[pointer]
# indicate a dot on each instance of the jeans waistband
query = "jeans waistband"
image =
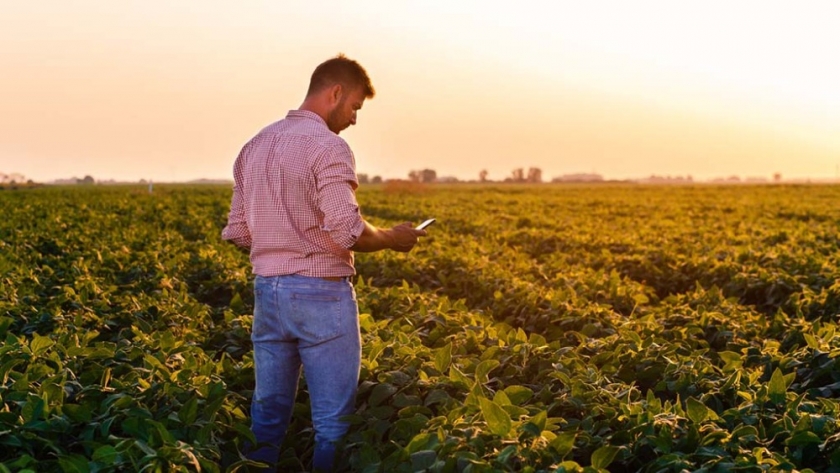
(296, 279)
(336, 278)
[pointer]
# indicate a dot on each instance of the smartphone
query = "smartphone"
(425, 224)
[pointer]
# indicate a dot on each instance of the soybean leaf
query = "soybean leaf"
(564, 442)
(423, 460)
(105, 454)
(380, 393)
(602, 457)
(443, 356)
(777, 387)
(518, 395)
(497, 419)
(696, 410)
(40, 344)
(483, 369)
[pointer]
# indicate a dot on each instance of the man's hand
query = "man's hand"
(405, 236)
(401, 238)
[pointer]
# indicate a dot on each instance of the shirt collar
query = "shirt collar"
(306, 115)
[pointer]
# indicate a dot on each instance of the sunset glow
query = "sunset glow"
(170, 91)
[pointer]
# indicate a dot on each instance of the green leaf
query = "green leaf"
(514, 412)
(380, 393)
(497, 419)
(376, 349)
(40, 344)
(476, 393)
(443, 356)
(73, 464)
(155, 363)
(506, 454)
(420, 442)
(366, 323)
(5, 323)
(602, 457)
(106, 454)
(482, 370)
(245, 432)
(436, 396)
(33, 409)
(777, 387)
(811, 341)
(745, 431)
(236, 303)
(568, 467)
(163, 433)
(189, 411)
(732, 361)
(423, 460)
(803, 438)
(501, 399)
(530, 429)
(22, 462)
(145, 448)
(77, 413)
(518, 395)
(539, 420)
(696, 410)
(564, 442)
(633, 336)
(6, 368)
(167, 341)
(456, 376)
(731, 381)
(537, 340)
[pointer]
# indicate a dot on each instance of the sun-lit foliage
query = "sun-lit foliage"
(542, 328)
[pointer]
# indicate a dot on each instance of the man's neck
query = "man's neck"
(314, 106)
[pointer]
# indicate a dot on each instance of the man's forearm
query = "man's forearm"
(373, 239)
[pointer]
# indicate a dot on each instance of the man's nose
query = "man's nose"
(353, 118)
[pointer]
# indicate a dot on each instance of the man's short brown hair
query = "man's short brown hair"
(340, 70)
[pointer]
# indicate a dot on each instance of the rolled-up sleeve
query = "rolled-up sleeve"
(336, 181)
(237, 230)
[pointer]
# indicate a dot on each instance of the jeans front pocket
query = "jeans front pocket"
(316, 315)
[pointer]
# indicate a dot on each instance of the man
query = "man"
(294, 207)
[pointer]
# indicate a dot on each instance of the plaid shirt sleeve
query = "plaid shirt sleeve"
(336, 182)
(237, 230)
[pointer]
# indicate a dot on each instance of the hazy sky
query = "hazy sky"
(172, 90)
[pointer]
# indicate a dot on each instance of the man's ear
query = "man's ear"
(335, 93)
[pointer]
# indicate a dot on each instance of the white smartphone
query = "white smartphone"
(425, 224)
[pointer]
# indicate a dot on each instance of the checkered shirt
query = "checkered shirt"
(294, 202)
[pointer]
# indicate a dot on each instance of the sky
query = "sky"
(171, 91)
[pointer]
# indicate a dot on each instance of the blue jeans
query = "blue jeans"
(313, 322)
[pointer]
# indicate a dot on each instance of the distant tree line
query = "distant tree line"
(532, 175)
(365, 179)
(14, 178)
(535, 175)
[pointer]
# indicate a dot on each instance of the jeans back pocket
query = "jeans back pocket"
(316, 315)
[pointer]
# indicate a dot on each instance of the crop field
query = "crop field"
(568, 328)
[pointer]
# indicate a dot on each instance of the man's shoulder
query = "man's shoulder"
(310, 131)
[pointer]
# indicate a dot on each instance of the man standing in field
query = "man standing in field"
(294, 207)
